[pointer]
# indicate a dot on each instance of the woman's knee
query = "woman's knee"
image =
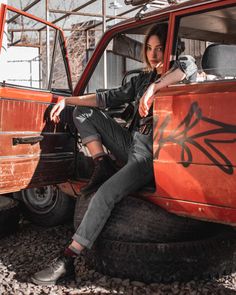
(82, 117)
(81, 111)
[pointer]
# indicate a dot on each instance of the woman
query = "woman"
(134, 147)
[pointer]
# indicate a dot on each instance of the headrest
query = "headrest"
(220, 60)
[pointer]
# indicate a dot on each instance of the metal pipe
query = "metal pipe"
(87, 40)
(110, 19)
(26, 45)
(4, 49)
(25, 9)
(86, 14)
(104, 27)
(38, 30)
(74, 10)
(40, 60)
(31, 74)
(47, 41)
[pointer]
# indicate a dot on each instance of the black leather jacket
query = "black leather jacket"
(131, 91)
(135, 88)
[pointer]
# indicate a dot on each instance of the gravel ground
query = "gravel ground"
(30, 249)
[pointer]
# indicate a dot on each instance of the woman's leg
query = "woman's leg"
(134, 175)
(95, 148)
(96, 128)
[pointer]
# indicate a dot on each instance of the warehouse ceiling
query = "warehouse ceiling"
(65, 14)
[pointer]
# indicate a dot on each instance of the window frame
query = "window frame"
(174, 24)
(58, 34)
(107, 37)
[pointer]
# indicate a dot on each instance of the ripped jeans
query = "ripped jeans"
(134, 149)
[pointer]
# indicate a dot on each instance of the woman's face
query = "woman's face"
(154, 51)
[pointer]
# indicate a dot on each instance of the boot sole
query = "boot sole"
(50, 283)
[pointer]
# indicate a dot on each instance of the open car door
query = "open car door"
(34, 71)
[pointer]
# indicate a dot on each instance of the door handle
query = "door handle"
(27, 140)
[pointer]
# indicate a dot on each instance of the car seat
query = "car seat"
(220, 60)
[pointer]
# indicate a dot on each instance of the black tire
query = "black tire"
(143, 242)
(46, 206)
(9, 215)
(136, 220)
(165, 262)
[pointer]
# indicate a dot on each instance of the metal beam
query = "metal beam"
(121, 15)
(38, 30)
(69, 13)
(25, 9)
(104, 27)
(47, 41)
(110, 19)
(85, 14)
(74, 10)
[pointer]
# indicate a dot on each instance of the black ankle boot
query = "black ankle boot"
(104, 168)
(60, 268)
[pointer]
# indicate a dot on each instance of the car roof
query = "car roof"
(209, 26)
(173, 8)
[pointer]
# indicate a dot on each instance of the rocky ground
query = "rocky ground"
(29, 250)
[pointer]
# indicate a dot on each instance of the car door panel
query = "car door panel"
(48, 156)
(194, 143)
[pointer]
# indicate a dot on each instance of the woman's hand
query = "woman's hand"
(159, 67)
(56, 110)
(146, 100)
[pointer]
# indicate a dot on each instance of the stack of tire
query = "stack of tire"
(143, 242)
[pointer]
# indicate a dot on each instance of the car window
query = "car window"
(28, 50)
(210, 38)
(123, 54)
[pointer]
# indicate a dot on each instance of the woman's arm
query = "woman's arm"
(147, 99)
(83, 100)
(102, 99)
(184, 68)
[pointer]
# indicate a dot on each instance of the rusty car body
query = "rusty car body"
(194, 123)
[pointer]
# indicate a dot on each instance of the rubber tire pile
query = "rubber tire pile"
(143, 242)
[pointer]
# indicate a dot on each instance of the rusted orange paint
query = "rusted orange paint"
(25, 114)
(194, 150)
(29, 95)
(200, 211)
(19, 173)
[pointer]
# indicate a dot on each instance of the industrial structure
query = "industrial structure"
(82, 24)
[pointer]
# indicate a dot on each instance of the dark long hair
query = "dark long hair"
(159, 30)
